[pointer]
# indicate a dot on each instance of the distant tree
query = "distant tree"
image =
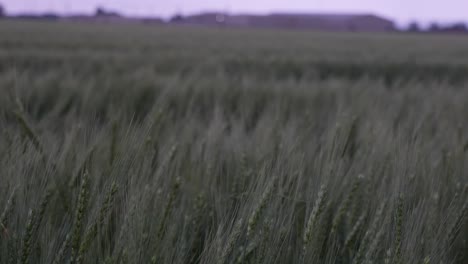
(458, 27)
(2, 11)
(49, 16)
(177, 18)
(414, 27)
(434, 27)
(101, 12)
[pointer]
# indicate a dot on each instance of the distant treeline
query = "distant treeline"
(100, 14)
(459, 27)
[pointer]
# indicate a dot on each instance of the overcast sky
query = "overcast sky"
(401, 10)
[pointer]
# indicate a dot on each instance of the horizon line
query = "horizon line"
(123, 14)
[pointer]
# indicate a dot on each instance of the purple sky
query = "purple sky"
(401, 10)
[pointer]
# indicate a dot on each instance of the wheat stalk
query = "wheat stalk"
(168, 208)
(113, 147)
(98, 224)
(229, 246)
(6, 212)
(253, 220)
(345, 204)
(351, 238)
(370, 233)
(42, 208)
(399, 229)
(453, 230)
(61, 252)
(27, 239)
(27, 129)
(79, 217)
(314, 215)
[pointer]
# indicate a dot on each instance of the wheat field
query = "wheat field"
(159, 144)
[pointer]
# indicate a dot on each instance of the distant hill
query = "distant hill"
(326, 22)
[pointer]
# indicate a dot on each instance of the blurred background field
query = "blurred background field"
(130, 143)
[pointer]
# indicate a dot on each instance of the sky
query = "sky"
(402, 11)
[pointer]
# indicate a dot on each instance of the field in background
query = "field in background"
(142, 144)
